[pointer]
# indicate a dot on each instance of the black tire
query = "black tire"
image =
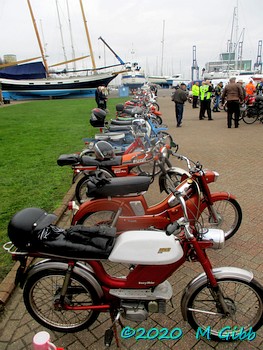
(98, 218)
(166, 137)
(147, 168)
(175, 177)
(230, 216)
(245, 302)
(159, 120)
(249, 118)
(40, 293)
(156, 106)
(81, 187)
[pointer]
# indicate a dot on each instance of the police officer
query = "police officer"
(205, 99)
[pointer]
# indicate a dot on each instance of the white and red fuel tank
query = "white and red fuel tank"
(146, 248)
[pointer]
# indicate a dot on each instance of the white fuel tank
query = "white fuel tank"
(146, 248)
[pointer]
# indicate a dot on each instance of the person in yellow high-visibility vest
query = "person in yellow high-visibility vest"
(205, 100)
(195, 92)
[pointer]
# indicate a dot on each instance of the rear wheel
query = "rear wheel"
(98, 218)
(244, 302)
(229, 215)
(42, 300)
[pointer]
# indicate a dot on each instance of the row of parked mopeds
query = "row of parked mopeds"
(68, 288)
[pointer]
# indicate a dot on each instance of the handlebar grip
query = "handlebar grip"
(173, 228)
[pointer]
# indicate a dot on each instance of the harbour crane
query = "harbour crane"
(258, 64)
(194, 67)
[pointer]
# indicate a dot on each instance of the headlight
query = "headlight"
(216, 236)
(164, 152)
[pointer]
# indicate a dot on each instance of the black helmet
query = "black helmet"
(97, 117)
(25, 222)
(103, 150)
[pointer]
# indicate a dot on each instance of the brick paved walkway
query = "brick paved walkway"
(237, 155)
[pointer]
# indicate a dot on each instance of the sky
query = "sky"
(157, 34)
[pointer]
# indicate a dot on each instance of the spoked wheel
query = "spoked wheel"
(156, 106)
(81, 187)
(98, 218)
(249, 118)
(148, 169)
(166, 138)
(159, 120)
(229, 215)
(244, 302)
(42, 300)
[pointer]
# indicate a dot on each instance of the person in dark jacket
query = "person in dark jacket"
(179, 97)
(233, 94)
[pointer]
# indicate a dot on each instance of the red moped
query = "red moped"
(115, 204)
(68, 290)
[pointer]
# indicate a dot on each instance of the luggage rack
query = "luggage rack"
(10, 248)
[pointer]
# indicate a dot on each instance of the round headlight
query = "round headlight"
(164, 152)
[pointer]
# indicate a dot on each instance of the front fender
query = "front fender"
(112, 204)
(219, 273)
(222, 196)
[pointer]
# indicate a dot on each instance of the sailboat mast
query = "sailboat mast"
(88, 37)
(38, 37)
(71, 37)
(61, 35)
(162, 48)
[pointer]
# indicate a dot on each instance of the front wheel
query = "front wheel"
(228, 216)
(249, 118)
(245, 304)
(42, 300)
(166, 138)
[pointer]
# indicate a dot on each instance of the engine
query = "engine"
(138, 311)
(138, 303)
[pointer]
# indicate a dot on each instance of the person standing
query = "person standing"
(233, 94)
(97, 93)
(259, 87)
(218, 92)
(195, 92)
(101, 97)
(250, 88)
(205, 99)
(240, 82)
(179, 97)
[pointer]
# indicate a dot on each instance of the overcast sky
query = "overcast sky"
(134, 29)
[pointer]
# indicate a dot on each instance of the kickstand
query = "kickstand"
(112, 331)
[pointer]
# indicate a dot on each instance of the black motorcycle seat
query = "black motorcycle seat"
(68, 159)
(122, 128)
(119, 186)
(86, 160)
(78, 242)
(76, 159)
(121, 122)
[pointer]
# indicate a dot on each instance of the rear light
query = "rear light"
(72, 205)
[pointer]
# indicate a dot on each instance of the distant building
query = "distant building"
(227, 62)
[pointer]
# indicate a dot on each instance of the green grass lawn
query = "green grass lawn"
(32, 136)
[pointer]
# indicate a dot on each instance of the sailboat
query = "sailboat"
(31, 80)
